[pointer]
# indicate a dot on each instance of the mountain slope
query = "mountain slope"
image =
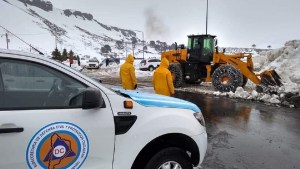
(39, 23)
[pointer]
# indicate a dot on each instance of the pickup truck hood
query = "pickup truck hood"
(155, 100)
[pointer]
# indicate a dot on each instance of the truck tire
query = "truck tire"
(176, 71)
(227, 78)
(193, 82)
(171, 158)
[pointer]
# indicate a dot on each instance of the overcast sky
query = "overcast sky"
(237, 23)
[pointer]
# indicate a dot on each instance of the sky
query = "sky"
(237, 23)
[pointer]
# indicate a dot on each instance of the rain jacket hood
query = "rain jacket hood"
(164, 63)
(129, 59)
(162, 79)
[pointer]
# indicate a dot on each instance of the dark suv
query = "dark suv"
(109, 61)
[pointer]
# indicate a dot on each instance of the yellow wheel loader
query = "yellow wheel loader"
(201, 61)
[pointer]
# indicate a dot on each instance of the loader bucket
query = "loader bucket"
(270, 78)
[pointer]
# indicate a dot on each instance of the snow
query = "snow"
(285, 61)
(240, 93)
(82, 36)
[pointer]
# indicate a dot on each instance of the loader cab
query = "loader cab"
(200, 48)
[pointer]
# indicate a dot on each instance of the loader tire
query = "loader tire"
(227, 78)
(245, 80)
(176, 71)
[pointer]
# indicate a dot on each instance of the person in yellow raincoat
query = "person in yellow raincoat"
(127, 74)
(162, 79)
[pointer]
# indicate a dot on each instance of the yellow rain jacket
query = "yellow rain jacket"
(162, 79)
(127, 74)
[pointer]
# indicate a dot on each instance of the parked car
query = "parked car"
(93, 64)
(83, 61)
(52, 116)
(149, 64)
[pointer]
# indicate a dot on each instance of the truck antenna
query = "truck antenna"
(206, 14)
(41, 53)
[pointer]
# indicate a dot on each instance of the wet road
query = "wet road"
(245, 134)
(248, 135)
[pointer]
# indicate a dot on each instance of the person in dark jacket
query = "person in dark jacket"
(107, 62)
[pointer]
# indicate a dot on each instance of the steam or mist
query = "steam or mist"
(155, 27)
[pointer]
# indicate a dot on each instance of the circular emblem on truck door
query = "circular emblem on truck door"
(56, 146)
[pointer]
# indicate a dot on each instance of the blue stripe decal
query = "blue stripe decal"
(155, 100)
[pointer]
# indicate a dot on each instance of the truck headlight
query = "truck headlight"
(200, 118)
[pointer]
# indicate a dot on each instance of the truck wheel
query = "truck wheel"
(151, 68)
(194, 82)
(176, 71)
(170, 158)
(227, 78)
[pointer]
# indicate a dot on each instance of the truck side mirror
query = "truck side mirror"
(92, 98)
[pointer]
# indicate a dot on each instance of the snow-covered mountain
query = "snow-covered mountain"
(44, 26)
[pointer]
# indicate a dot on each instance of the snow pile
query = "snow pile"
(286, 62)
(253, 95)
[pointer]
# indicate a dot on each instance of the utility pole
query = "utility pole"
(55, 42)
(143, 42)
(133, 49)
(125, 48)
(7, 40)
(125, 45)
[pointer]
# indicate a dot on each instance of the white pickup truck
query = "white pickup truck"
(52, 116)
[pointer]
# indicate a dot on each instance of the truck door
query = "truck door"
(38, 127)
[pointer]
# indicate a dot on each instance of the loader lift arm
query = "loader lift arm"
(266, 78)
(235, 60)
